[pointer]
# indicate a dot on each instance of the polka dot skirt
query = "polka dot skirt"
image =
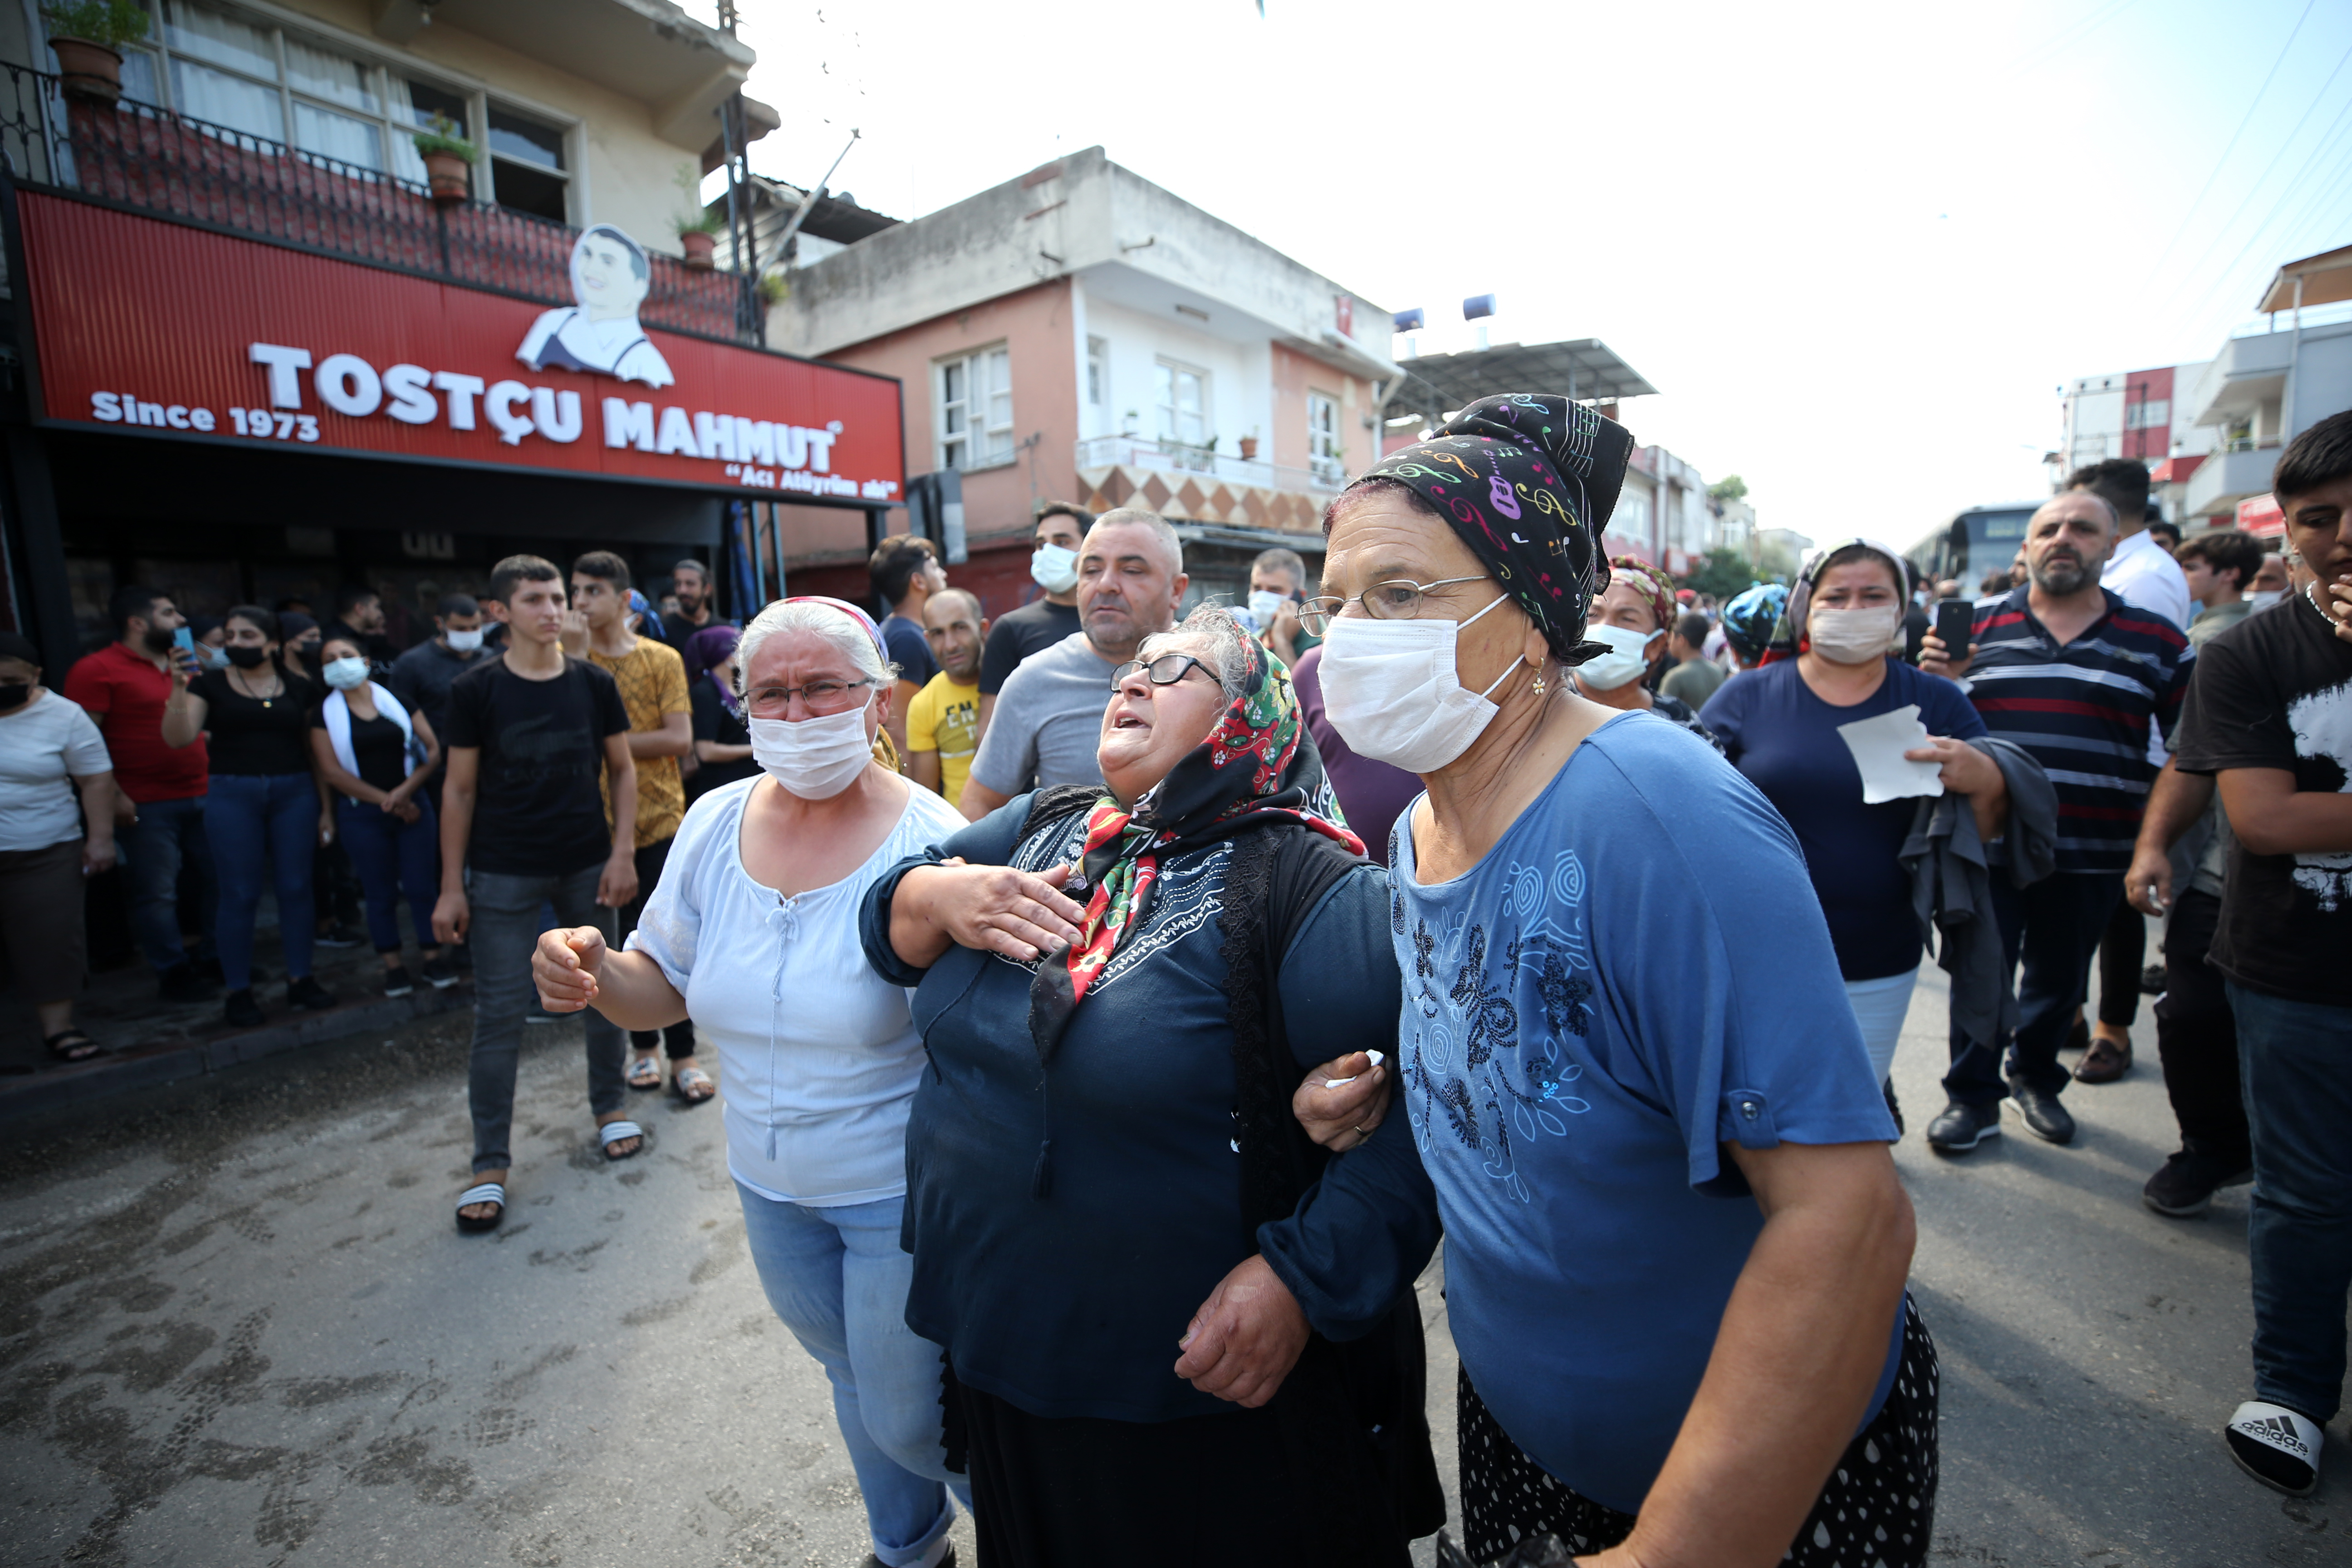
(1878, 1509)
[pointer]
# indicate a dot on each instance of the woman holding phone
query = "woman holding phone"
(262, 801)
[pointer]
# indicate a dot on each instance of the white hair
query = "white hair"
(1214, 624)
(839, 629)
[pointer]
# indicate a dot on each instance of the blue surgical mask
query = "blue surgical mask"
(212, 658)
(344, 674)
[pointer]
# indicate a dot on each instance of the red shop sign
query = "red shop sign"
(170, 331)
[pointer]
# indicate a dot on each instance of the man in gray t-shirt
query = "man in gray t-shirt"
(1046, 723)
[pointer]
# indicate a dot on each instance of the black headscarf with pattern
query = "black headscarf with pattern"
(1528, 481)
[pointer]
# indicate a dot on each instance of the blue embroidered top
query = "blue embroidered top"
(1635, 974)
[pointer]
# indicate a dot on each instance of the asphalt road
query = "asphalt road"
(236, 1327)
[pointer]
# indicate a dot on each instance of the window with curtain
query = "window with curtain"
(1326, 454)
(975, 403)
(1183, 402)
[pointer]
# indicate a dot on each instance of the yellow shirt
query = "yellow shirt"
(652, 679)
(944, 717)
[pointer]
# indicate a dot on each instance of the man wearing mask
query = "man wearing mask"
(1277, 587)
(2079, 679)
(2271, 583)
(124, 688)
(1060, 528)
(1049, 716)
(422, 676)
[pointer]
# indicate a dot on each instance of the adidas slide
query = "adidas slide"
(487, 1192)
(2277, 1446)
(613, 1132)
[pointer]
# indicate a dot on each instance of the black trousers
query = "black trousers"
(679, 1037)
(2123, 951)
(2054, 929)
(2197, 1036)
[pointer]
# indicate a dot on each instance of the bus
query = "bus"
(1980, 540)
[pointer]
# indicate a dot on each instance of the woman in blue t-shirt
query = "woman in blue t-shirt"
(1780, 726)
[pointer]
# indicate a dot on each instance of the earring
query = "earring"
(1539, 688)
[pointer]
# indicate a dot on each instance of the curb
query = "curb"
(163, 1062)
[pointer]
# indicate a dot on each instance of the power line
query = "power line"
(2218, 164)
(2229, 274)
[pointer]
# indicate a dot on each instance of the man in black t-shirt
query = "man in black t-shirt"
(1060, 530)
(532, 733)
(2270, 716)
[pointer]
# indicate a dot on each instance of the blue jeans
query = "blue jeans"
(250, 817)
(507, 920)
(2295, 1060)
(838, 1279)
(2054, 927)
(168, 840)
(393, 857)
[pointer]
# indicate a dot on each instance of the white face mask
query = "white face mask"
(463, 642)
(1053, 569)
(814, 759)
(344, 674)
(1628, 657)
(1391, 691)
(1854, 637)
(1264, 604)
(212, 658)
(2264, 598)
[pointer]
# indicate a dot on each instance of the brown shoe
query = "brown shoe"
(2105, 1062)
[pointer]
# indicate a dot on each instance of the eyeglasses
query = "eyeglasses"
(821, 696)
(1165, 670)
(1396, 600)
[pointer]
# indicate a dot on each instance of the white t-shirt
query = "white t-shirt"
(2146, 576)
(818, 1054)
(44, 746)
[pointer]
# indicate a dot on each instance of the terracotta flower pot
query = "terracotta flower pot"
(700, 246)
(87, 69)
(447, 175)
(1249, 448)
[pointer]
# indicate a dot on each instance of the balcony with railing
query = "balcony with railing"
(149, 160)
(1199, 484)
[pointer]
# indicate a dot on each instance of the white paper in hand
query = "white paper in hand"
(1878, 745)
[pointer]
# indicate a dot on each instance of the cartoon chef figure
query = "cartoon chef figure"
(610, 277)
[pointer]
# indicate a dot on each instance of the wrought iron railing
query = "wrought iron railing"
(1179, 457)
(152, 160)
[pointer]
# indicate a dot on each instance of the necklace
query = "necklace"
(245, 684)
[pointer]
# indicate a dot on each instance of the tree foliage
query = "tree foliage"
(1731, 487)
(1722, 574)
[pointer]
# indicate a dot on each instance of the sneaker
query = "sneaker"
(243, 1010)
(309, 994)
(2276, 1446)
(2042, 1115)
(2184, 1188)
(440, 973)
(338, 935)
(1961, 1128)
(396, 981)
(181, 983)
(2152, 981)
(1894, 1107)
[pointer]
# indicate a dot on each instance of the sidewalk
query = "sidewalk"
(146, 1041)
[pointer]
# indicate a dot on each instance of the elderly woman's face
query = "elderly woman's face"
(1626, 606)
(1382, 538)
(787, 664)
(1148, 729)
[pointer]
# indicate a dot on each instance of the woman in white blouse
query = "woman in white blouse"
(753, 931)
(48, 842)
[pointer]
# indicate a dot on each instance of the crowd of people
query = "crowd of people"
(1064, 972)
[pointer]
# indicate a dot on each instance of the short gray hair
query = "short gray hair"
(1228, 657)
(1280, 560)
(836, 627)
(1135, 516)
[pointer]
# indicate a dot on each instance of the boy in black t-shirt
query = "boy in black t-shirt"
(529, 730)
(2269, 714)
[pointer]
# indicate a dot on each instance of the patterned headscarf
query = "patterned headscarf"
(1748, 619)
(1528, 481)
(707, 650)
(1650, 583)
(1251, 772)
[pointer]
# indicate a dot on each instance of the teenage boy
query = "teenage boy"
(1059, 530)
(904, 572)
(943, 721)
(652, 679)
(123, 686)
(2218, 566)
(2270, 717)
(531, 733)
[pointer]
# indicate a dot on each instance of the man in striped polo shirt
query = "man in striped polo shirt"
(2067, 670)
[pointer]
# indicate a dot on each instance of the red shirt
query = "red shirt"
(124, 694)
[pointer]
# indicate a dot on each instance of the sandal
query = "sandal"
(645, 1072)
(2105, 1061)
(692, 1086)
(71, 1046)
(612, 1132)
(487, 1193)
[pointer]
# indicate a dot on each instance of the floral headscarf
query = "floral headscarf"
(1252, 771)
(1650, 583)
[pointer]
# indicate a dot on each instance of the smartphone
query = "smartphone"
(1955, 622)
(185, 640)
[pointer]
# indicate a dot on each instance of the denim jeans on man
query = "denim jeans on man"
(838, 1279)
(506, 926)
(167, 842)
(393, 857)
(2295, 1060)
(2054, 926)
(253, 820)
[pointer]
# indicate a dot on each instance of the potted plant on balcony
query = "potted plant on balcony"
(88, 37)
(1249, 446)
(697, 235)
(449, 158)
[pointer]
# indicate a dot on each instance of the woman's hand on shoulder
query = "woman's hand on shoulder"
(995, 909)
(1342, 1102)
(564, 967)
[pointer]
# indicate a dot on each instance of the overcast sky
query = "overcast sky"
(1856, 247)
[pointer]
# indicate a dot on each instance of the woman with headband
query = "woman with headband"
(1675, 1245)
(753, 930)
(1631, 617)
